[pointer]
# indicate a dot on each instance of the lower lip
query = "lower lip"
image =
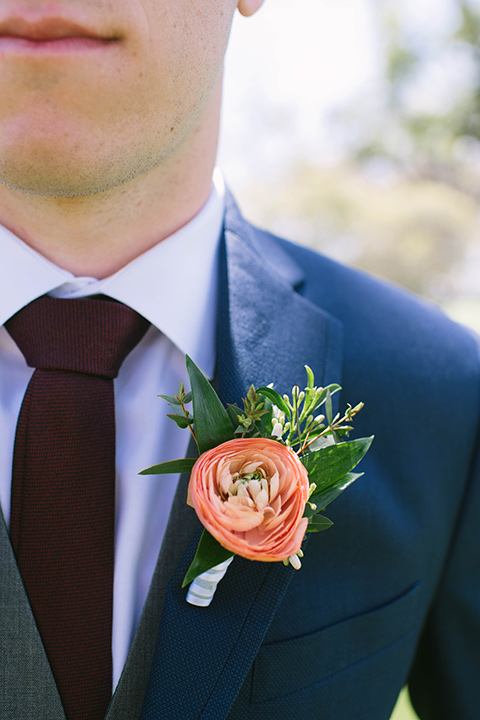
(56, 46)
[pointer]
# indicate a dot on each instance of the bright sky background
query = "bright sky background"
(296, 61)
(286, 68)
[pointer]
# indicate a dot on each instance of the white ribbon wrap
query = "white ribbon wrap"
(202, 589)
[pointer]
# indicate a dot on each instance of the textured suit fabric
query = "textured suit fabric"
(391, 592)
(27, 686)
(26, 679)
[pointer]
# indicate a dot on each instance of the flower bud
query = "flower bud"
(294, 561)
(277, 430)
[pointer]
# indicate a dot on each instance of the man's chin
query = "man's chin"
(49, 190)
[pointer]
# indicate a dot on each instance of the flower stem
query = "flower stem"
(186, 413)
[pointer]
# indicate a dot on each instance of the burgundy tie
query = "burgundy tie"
(63, 486)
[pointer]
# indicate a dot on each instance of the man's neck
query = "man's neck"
(99, 234)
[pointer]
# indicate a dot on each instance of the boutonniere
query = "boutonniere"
(265, 472)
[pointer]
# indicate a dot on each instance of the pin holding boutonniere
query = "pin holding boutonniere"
(264, 473)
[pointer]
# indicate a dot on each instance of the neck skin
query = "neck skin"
(97, 235)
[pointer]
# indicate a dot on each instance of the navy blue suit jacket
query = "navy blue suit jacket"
(389, 594)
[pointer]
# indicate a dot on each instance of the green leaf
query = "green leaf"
(182, 421)
(212, 424)
(209, 553)
(310, 377)
(337, 438)
(329, 390)
(329, 464)
(233, 412)
(178, 410)
(324, 497)
(183, 465)
(170, 399)
(174, 401)
(320, 442)
(317, 523)
(328, 407)
(276, 399)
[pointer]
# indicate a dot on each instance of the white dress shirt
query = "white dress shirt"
(182, 312)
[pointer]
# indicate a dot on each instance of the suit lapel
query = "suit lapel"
(266, 333)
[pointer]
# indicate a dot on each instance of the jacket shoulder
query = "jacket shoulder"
(380, 315)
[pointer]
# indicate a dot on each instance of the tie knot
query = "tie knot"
(86, 335)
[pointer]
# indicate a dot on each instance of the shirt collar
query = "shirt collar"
(173, 285)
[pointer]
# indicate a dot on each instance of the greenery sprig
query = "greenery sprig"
(303, 421)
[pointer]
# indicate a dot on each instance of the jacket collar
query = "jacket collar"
(266, 332)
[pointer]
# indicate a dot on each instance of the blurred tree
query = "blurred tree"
(403, 202)
(428, 136)
(468, 34)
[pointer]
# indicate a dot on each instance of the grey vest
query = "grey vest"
(27, 686)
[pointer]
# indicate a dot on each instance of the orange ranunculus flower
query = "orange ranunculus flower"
(250, 494)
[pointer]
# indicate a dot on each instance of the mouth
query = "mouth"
(50, 35)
